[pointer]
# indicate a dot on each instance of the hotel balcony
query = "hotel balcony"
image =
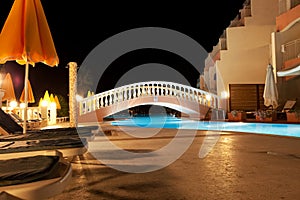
(215, 53)
(289, 11)
(286, 5)
(286, 22)
(239, 20)
(245, 12)
(290, 57)
(291, 53)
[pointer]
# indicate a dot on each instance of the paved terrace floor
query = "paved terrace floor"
(240, 166)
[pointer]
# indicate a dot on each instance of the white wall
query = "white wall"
(248, 47)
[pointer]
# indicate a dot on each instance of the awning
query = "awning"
(289, 72)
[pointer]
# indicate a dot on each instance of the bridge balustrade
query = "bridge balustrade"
(145, 89)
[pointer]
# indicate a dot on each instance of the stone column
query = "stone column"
(1, 95)
(72, 93)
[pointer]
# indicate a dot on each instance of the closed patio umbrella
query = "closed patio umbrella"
(270, 91)
(8, 87)
(47, 96)
(30, 98)
(58, 106)
(26, 39)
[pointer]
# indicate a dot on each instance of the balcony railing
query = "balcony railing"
(239, 20)
(245, 12)
(291, 50)
(285, 5)
(222, 45)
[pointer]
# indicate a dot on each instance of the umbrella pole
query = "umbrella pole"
(25, 98)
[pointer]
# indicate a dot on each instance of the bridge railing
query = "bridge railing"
(143, 89)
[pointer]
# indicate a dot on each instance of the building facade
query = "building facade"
(286, 50)
(263, 32)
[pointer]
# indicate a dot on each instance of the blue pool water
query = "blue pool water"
(173, 122)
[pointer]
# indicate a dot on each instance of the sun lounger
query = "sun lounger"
(8, 125)
(70, 141)
(18, 148)
(289, 104)
(70, 132)
(31, 124)
(34, 177)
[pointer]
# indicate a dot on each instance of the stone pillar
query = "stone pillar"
(72, 93)
(1, 96)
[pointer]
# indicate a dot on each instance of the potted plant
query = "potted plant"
(236, 116)
(265, 115)
(293, 116)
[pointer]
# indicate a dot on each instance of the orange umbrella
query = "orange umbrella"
(26, 38)
(30, 98)
(52, 100)
(40, 102)
(58, 106)
(47, 96)
(9, 91)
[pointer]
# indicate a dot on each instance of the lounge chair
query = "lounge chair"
(34, 177)
(31, 124)
(289, 104)
(18, 146)
(8, 125)
(14, 144)
(70, 141)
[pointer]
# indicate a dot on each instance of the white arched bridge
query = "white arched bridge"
(188, 100)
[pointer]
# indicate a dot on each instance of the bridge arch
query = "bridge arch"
(191, 101)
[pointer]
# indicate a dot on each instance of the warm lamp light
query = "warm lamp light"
(44, 103)
(53, 105)
(224, 95)
(13, 104)
(208, 97)
(22, 105)
(79, 98)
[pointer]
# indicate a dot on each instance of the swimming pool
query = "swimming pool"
(177, 123)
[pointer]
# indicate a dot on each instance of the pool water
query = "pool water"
(177, 123)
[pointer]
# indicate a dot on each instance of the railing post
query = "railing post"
(110, 98)
(162, 90)
(148, 90)
(143, 90)
(101, 102)
(129, 93)
(153, 89)
(97, 102)
(173, 91)
(125, 93)
(84, 107)
(106, 101)
(134, 92)
(119, 96)
(167, 90)
(139, 91)
(181, 95)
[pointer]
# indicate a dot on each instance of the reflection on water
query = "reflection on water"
(177, 123)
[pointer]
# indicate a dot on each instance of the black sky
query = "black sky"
(79, 26)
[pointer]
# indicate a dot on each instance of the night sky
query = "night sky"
(79, 26)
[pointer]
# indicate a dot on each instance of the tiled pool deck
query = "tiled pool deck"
(239, 166)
